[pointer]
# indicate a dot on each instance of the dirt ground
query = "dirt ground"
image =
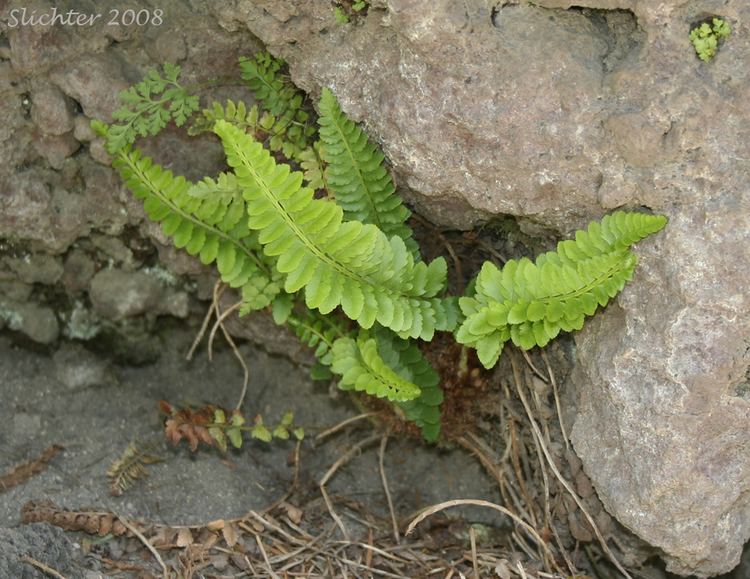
(94, 408)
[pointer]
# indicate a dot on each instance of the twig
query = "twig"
(384, 479)
(142, 539)
(331, 471)
(340, 425)
(557, 399)
(206, 319)
(480, 503)
(39, 565)
(563, 482)
(533, 367)
(219, 323)
(473, 540)
(265, 555)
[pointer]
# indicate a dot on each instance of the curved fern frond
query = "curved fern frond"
(316, 331)
(531, 303)
(406, 359)
(292, 131)
(356, 175)
(361, 368)
(211, 226)
(351, 264)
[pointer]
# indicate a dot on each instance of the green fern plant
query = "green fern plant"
(292, 130)
(530, 303)
(356, 176)
(149, 106)
(347, 263)
(342, 270)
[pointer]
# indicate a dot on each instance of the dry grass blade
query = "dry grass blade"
(343, 424)
(473, 540)
(384, 480)
(331, 471)
(42, 567)
(563, 482)
(28, 469)
(552, 380)
(218, 290)
(132, 528)
(479, 503)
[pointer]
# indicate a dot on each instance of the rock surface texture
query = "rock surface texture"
(477, 116)
(553, 113)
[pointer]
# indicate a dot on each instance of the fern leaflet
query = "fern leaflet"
(293, 130)
(531, 303)
(149, 106)
(338, 263)
(406, 359)
(361, 368)
(211, 226)
(356, 175)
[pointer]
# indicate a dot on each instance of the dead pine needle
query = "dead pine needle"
(384, 479)
(563, 482)
(133, 529)
(480, 503)
(42, 567)
(351, 453)
(473, 540)
(343, 424)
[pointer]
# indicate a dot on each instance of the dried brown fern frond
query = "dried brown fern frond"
(126, 470)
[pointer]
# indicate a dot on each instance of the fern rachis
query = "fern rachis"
(530, 303)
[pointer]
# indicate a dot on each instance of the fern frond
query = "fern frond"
(531, 303)
(149, 106)
(406, 359)
(316, 331)
(126, 470)
(236, 113)
(207, 220)
(313, 168)
(361, 368)
(338, 263)
(292, 132)
(356, 174)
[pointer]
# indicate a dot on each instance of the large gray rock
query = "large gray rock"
(555, 113)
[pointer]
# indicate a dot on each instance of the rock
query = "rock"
(78, 271)
(15, 290)
(114, 249)
(117, 294)
(76, 367)
(56, 148)
(51, 110)
(82, 130)
(44, 543)
(37, 268)
(37, 322)
(94, 81)
(478, 120)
